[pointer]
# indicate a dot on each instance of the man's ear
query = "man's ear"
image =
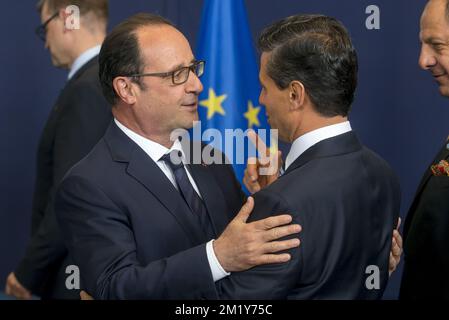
(297, 94)
(124, 88)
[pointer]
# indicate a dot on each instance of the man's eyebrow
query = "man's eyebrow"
(433, 39)
(181, 65)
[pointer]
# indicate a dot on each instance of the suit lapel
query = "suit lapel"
(212, 195)
(146, 172)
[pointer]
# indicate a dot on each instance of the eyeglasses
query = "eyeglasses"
(41, 31)
(180, 75)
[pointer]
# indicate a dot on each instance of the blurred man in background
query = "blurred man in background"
(75, 124)
(426, 229)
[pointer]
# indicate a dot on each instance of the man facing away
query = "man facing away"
(345, 196)
(76, 123)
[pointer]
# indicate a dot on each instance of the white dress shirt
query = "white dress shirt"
(155, 151)
(83, 59)
(304, 142)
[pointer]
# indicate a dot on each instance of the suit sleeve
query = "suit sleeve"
(101, 241)
(271, 281)
(84, 117)
(436, 211)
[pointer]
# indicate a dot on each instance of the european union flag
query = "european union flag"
(231, 84)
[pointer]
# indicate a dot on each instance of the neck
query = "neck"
(314, 123)
(84, 43)
(137, 127)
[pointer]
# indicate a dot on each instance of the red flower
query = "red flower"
(440, 169)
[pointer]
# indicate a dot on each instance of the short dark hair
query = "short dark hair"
(120, 52)
(100, 8)
(317, 51)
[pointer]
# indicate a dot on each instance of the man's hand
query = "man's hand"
(85, 296)
(260, 173)
(14, 288)
(396, 249)
(243, 245)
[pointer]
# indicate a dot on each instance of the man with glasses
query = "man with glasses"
(138, 215)
(76, 123)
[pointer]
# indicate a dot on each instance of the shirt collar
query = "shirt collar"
(154, 150)
(304, 142)
(83, 59)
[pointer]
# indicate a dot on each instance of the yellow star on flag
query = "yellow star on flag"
(251, 115)
(213, 104)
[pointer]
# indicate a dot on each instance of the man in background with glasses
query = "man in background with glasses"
(138, 215)
(75, 124)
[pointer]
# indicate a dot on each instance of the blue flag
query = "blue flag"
(231, 85)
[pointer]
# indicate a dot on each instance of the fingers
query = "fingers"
(14, 288)
(272, 222)
(8, 289)
(280, 161)
(391, 264)
(398, 239)
(246, 210)
(23, 295)
(280, 232)
(18, 292)
(252, 169)
(272, 258)
(261, 147)
(399, 223)
(276, 246)
(267, 165)
(85, 296)
(250, 178)
(395, 249)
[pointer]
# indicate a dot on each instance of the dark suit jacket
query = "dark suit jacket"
(347, 200)
(130, 231)
(76, 123)
(426, 239)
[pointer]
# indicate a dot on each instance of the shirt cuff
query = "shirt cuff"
(218, 272)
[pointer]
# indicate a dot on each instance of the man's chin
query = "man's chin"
(57, 64)
(191, 122)
(444, 90)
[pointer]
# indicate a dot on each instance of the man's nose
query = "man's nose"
(427, 58)
(194, 83)
(261, 98)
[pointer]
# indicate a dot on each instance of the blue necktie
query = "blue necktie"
(193, 200)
